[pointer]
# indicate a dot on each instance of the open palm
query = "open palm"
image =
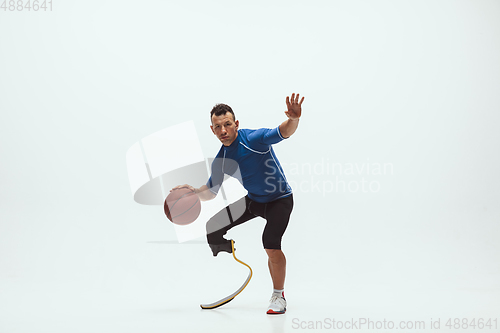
(294, 107)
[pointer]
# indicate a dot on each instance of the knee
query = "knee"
(275, 255)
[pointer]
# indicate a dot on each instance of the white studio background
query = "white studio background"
(411, 87)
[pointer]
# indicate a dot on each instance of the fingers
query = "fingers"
(182, 186)
(294, 99)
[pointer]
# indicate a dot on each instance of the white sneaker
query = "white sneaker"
(278, 305)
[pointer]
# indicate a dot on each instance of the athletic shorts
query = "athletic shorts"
(276, 213)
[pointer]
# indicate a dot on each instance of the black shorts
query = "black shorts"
(276, 213)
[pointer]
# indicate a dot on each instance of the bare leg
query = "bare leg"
(277, 267)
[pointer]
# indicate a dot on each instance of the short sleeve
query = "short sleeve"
(266, 136)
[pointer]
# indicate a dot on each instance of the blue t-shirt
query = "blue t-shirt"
(251, 160)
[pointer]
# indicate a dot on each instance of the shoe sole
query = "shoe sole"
(275, 312)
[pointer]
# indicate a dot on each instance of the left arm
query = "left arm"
(289, 126)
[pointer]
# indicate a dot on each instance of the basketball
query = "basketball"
(182, 206)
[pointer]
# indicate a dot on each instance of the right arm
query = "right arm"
(215, 181)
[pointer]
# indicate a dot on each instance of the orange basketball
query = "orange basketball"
(182, 206)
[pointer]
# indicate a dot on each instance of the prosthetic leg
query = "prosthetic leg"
(229, 298)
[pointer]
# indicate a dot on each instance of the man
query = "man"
(248, 155)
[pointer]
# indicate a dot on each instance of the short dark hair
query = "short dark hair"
(221, 109)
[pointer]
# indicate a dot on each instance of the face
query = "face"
(225, 128)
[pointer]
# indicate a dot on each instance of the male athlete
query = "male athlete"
(249, 154)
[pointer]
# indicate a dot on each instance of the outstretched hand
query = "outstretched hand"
(294, 107)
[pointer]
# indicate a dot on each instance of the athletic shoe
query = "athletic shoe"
(278, 305)
(225, 247)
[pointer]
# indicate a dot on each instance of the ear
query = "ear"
(212, 128)
(237, 122)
